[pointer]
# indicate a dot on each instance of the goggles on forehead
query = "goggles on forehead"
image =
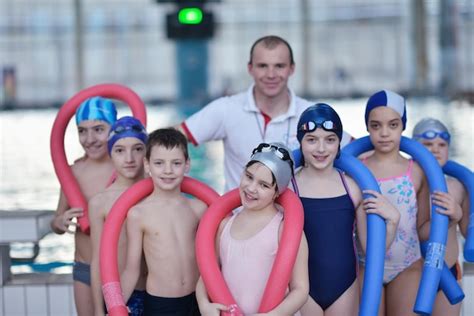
(280, 152)
(311, 126)
(432, 134)
(122, 129)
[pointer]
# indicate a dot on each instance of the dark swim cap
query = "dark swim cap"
(320, 115)
(126, 126)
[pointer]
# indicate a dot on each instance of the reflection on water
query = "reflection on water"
(27, 179)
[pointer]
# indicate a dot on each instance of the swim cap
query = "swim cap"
(126, 126)
(96, 108)
(390, 99)
(430, 128)
(277, 157)
(319, 115)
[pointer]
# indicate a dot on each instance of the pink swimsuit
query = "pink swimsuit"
(405, 249)
(246, 264)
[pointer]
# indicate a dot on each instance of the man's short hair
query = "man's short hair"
(272, 41)
(168, 138)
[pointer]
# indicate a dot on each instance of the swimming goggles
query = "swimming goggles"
(122, 129)
(431, 134)
(311, 126)
(280, 152)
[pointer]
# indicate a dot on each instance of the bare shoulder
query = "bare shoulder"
(354, 190)
(198, 207)
(418, 175)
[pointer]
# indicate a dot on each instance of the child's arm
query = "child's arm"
(299, 284)
(64, 216)
(96, 225)
(377, 204)
(464, 222)
(448, 206)
(131, 272)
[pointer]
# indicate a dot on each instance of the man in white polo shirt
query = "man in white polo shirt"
(267, 112)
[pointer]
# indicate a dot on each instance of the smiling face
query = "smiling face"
(257, 187)
(93, 137)
(167, 167)
(320, 148)
(270, 69)
(385, 128)
(127, 156)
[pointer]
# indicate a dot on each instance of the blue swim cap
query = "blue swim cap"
(319, 115)
(390, 99)
(96, 108)
(126, 126)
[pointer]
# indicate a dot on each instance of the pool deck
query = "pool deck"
(49, 294)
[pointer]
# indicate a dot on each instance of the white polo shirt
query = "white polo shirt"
(239, 123)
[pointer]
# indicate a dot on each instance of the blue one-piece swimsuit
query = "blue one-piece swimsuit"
(329, 227)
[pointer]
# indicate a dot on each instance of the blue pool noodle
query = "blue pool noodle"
(447, 283)
(439, 223)
(376, 233)
(466, 177)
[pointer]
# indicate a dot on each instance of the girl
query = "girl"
(402, 181)
(436, 138)
(248, 240)
(330, 200)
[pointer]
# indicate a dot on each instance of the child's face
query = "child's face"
(320, 148)
(127, 155)
(257, 189)
(93, 137)
(439, 148)
(385, 128)
(167, 167)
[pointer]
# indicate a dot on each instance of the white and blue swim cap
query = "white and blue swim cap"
(430, 128)
(278, 158)
(389, 99)
(126, 126)
(96, 109)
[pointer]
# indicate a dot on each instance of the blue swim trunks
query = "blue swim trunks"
(81, 272)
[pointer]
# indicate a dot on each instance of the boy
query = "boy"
(126, 146)
(436, 138)
(164, 226)
(93, 171)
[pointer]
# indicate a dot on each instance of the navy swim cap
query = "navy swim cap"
(390, 99)
(319, 115)
(96, 108)
(126, 126)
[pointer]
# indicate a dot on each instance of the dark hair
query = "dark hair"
(252, 162)
(168, 138)
(272, 41)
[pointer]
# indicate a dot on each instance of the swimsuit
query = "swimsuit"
(246, 263)
(329, 225)
(405, 248)
(170, 306)
(81, 272)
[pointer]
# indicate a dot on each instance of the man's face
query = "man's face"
(270, 69)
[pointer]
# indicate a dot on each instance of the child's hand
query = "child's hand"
(213, 309)
(63, 221)
(378, 204)
(447, 206)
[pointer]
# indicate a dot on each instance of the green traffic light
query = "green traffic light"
(190, 16)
